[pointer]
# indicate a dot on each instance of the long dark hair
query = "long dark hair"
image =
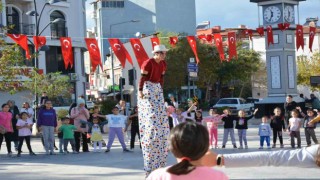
(191, 141)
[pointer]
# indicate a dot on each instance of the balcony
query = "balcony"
(22, 28)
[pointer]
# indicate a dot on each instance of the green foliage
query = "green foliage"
(54, 84)
(306, 68)
(62, 113)
(106, 106)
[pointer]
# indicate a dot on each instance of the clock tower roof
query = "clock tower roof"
(259, 1)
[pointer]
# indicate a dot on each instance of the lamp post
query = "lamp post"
(112, 64)
(45, 47)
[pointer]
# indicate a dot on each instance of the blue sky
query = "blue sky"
(231, 13)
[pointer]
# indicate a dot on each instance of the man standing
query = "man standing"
(289, 105)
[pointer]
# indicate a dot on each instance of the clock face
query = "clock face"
(288, 13)
(272, 14)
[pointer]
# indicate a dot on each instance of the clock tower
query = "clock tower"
(280, 56)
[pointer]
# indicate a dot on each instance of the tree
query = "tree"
(307, 67)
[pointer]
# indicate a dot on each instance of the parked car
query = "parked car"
(90, 104)
(235, 104)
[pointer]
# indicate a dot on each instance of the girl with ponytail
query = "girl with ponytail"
(189, 143)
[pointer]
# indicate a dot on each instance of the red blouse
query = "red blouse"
(155, 72)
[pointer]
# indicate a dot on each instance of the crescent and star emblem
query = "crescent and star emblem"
(232, 39)
(93, 46)
(155, 43)
(66, 43)
(311, 33)
(16, 36)
(137, 47)
(174, 40)
(117, 45)
(299, 32)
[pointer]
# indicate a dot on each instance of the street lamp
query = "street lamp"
(112, 65)
(37, 20)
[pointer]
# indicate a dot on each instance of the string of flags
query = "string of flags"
(122, 54)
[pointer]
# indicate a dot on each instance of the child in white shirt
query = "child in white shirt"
(24, 125)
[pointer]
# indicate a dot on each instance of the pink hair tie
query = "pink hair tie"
(185, 158)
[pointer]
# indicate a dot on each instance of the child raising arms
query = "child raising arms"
(212, 122)
(191, 164)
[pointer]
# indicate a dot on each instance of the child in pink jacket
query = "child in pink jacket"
(212, 122)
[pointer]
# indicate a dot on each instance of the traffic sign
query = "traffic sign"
(192, 67)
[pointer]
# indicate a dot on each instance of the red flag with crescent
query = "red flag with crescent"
(312, 32)
(67, 53)
(39, 41)
(22, 41)
(139, 51)
(209, 38)
(173, 41)
(120, 51)
(299, 37)
(232, 43)
(94, 52)
(193, 44)
(219, 45)
(155, 41)
(249, 33)
(260, 31)
(283, 26)
(270, 35)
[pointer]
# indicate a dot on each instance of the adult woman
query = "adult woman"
(6, 123)
(153, 121)
(80, 113)
(47, 122)
(15, 116)
(26, 108)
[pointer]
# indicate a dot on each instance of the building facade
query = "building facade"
(73, 24)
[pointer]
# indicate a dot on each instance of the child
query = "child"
(95, 131)
(170, 110)
(190, 160)
(277, 125)
(117, 125)
(264, 132)
(242, 126)
(24, 125)
(68, 135)
(228, 128)
(294, 128)
(198, 118)
(309, 128)
(178, 117)
(212, 122)
(134, 122)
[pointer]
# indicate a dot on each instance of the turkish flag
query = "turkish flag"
(67, 53)
(120, 51)
(209, 38)
(299, 37)
(139, 51)
(260, 31)
(219, 45)
(173, 41)
(311, 37)
(94, 52)
(22, 40)
(249, 33)
(39, 41)
(40, 71)
(232, 43)
(193, 45)
(202, 37)
(283, 26)
(155, 41)
(270, 35)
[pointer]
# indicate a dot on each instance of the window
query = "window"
(54, 61)
(113, 4)
(58, 29)
(13, 20)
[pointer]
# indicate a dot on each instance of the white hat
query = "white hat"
(80, 101)
(159, 48)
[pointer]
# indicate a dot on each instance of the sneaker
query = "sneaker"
(32, 154)
(246, 147)
(234, 146)
(126, 150)
(281, 146)
(299, 146)
(240, 147)
(269, 147)
(223, 146)
(274, 146)
(108, 150)
(260, 147)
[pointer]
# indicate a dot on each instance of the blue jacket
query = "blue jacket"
(264, 129)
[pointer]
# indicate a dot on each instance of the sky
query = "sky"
(232, 13)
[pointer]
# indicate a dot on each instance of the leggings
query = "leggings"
(279, 134)
(7, 137)
(21, 139)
